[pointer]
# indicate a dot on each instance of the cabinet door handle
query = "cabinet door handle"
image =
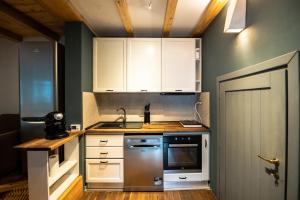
(182, 178)
(109, 90)
(103, 162)
(205, 143)
(178, 90)
(103, 153)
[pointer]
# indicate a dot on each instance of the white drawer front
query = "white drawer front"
(105, 140)
(104, 152)
(181, 177)
(104, 170)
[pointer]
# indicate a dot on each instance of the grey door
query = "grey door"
(252, 123)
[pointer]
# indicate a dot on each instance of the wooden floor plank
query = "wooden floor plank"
(168, 195)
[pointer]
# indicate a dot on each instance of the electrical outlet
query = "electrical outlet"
(75, 127)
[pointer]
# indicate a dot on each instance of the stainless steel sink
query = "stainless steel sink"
(112, 125)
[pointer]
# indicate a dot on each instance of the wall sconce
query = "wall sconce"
(236, 16)
(149, 4)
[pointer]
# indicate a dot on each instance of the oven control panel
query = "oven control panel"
(183, 139)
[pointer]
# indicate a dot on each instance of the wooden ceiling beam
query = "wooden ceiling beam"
(10, 35)
(169, 17)
(211, 11)
(25, 19)
(125, 17)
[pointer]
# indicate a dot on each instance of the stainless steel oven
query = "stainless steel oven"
(183, 152)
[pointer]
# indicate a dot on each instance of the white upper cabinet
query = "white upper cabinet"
(109, 67)
(178, 65)
(144, 64)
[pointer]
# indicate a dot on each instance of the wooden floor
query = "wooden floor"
(168, 195)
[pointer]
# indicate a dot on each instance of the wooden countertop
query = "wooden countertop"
(156, 127)
(42, 144)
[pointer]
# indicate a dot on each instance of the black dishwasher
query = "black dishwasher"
(143, 162)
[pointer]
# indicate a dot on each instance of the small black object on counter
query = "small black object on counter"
(147, 114)
(55, 124)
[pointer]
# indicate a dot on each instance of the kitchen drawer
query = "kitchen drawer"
(104, 152)
(104, 170)
(181, 177)
(104, 140)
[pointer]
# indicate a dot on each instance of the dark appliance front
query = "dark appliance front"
(183, 152)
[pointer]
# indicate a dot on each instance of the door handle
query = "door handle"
(273, 172)
(274, 161)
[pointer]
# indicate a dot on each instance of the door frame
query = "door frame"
(290, 62)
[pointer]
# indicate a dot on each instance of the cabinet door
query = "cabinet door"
(104, 152)
(205, 157)
(109, 65)
(178, 65)
(144, 65)
(104, 140)
(104, 170)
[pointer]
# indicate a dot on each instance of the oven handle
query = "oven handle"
(144, 146)
(183, 145)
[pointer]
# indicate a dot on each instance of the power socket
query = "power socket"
(75, 127)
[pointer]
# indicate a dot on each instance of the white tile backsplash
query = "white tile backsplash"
(163, 107)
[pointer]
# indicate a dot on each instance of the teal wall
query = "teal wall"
(273, 29)
(78, 73)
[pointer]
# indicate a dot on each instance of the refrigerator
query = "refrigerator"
(41, 83)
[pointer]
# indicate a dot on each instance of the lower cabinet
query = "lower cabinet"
(104, 152)
(184, 181)
(104, 170)
(104, 163)
(181, 177)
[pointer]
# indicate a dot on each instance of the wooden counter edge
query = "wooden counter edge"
(144, 130)
(42, 144)
(155, 127)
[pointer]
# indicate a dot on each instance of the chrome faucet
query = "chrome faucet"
(124, 114)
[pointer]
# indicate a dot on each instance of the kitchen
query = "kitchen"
(112, 76)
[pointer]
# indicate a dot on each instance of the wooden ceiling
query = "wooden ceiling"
(30, 18)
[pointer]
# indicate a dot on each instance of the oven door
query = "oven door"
(182, 156)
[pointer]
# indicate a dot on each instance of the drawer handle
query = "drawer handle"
(109, 90)
(182, 178)
(103, 141)
(144, 90)
(178, 90)
(103, 162)
(103, 153)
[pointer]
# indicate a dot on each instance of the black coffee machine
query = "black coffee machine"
(55, 124)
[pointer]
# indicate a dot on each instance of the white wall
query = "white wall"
(9, 76)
